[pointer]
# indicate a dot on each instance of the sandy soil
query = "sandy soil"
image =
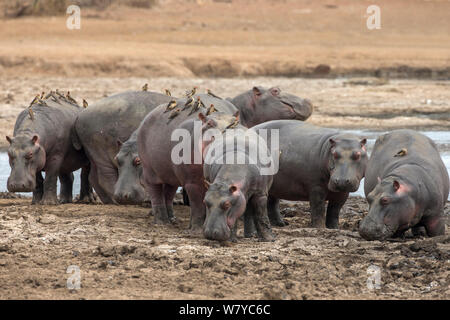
(362, 103)
(121, 254)
(235, 38)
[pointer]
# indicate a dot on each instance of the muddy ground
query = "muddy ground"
(122, 254)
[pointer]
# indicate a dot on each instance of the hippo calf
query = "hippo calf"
(315, 164)
(406, 186)
(236, 187)
(42, 142)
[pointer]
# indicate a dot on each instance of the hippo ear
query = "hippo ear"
(202, 117)
(275, 91)
(256, 91)
(206, 184)
(396, 185)
(119, 143)
(363, 142)
(236, 115)
(232, 189)
(332, 142)
(35, 139)
(9, 139)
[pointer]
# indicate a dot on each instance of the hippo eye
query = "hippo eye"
(225, 205)
(384, 201)
(336, 155)
(29, 155)
(356, 156)
(137, 161)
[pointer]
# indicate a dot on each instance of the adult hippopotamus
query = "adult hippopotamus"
(161, 174)
(315, 164)
(100, 130)
(261, 105)
(237, 183)
(42, 142)
(406, 186)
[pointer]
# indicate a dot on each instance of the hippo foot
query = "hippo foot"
(63, 200)
(49, 201)
(267, 237)
(319, 224)
(160, 215)
(279, 222)
(147, 204)
(250, 234)
(195, 230)
(87, 199)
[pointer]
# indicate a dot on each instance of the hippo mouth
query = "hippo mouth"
(380, 233)
(295, 113)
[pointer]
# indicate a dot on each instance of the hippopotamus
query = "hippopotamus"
(315, 164)
(100, 131)
(236, 188)
(161, 175)
(42, 142)
(406, 186)
(261, 105)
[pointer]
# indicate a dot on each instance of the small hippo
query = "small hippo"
(100, 130)
(261, 105)
(236, 187)
(315, 164)
(406, 186)
(42, 142)
(161, 175)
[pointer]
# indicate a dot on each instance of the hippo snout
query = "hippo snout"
(21, 186)
(344, 185)
(370, 230)
(218, 234)
(128, 197)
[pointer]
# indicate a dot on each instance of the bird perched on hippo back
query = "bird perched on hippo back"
(261, 105)
(162, 175)
(100, 127)
(406, 185)
(42, 142)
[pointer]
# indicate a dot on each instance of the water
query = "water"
(441, 138)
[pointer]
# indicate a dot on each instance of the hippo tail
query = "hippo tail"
(75, 139)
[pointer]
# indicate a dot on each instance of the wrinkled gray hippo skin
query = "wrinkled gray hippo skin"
(261, 105)
(102, 127)
(44, 144)
(161, 176)
(235, 189)
(406, 186)
(315, 164)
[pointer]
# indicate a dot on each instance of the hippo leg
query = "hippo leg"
(419, 231)
(249, 223)
(233, 236)
(158, 200)
(39, 190)
(317, 202)
(86, 192)
(169, 195)
(273, 208)
(107, 179)
(66, 180)
(261, 219)
(196, 195)
(93, 180)
(435, 226)
(333, 209)
(50, 181)
(185, 198)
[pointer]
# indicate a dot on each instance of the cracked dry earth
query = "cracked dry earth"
(121, 254)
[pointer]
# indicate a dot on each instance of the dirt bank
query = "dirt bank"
(121, 254)
(208, 38)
